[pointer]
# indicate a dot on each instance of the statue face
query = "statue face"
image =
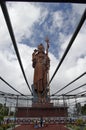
(40, 48)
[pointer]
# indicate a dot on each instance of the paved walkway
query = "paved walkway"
(48, 127)
(11, 128)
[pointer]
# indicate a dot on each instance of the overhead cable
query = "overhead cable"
(70, 43)
(69, 83)
(75, 89)
(83, 92)
(11, 86)
(51, 1)
(8, 22)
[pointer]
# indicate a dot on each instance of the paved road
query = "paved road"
(48, 127)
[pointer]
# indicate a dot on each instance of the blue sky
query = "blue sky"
(31, 23)
(48, 27)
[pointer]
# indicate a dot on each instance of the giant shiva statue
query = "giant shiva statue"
(41, 64)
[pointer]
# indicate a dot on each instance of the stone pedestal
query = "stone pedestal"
(42, 105)
(42, 110)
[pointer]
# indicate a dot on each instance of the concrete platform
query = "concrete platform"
(42, 110)
(47, 127)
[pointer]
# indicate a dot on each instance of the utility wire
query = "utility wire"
(51, 1)
(3, 93)
(77, 102)
(9, 94)
(12, 94)
(70, 43)
(8, 22)
(75, 89)
(75, 95)
(73, 104)
(69, 83)
(11, 86)
(83, 92)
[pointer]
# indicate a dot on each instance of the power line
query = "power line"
(20, 97)
(11, 86)
(9, 94)
(70, 43)
(69, 83)
(8, 22)
(4, 9)
(51, 1)
(67, 97)
(75, 89)
(77, 102)
(3, 93)
(80, 94)
(83, 92)
(12, 94)
(73, 104)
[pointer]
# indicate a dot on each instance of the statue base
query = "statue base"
(42, 110)
(42, 105)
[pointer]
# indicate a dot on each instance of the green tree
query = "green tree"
(78, 108)
(3, 111)
(83, 110)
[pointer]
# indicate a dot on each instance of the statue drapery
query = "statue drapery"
(41, 64)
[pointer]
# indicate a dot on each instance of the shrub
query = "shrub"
(85, 128)
(79, 121)
(69, 125)
(1, 128)
(77, 128)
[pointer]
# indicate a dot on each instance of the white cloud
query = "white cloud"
(74, 63)
(55, 22)
(4, 35)
(76, 13)
(57, 19)
(78, 8)
(22, 25)
(23, 18)
(44, 13)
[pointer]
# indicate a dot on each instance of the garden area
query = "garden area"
(4, 112)
(78, 125)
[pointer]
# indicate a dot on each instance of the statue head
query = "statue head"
(41, 48)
